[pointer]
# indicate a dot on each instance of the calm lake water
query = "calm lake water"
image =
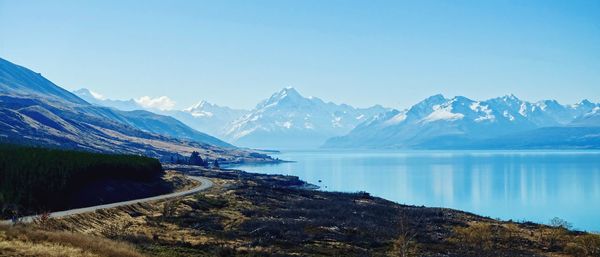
(518, 185)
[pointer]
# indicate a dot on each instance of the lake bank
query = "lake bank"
(247, 214)
(518, 185)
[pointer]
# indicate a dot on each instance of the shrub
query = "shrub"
(560, 223)
(477, 235)
(584, 246)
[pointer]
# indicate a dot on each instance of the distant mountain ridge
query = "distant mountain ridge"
(203, 116)
(93, 98)
(289, 120)
(438, 122)
(36, 111)
(285, 120)
(208, 117)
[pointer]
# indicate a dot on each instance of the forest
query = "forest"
(37, 179)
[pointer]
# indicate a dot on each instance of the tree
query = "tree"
(195, 159)
(560, 223)
(405, 244)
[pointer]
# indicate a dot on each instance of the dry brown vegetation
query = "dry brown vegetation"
(32, 240)
(262, 215)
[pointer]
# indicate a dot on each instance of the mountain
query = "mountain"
(590, 119)
(438, 122)
(97, 99)
(207, 117)
(169, 126)
(134, 114)
(35, 111)
(203, 116)
(131, 113)
(18, 80)
(142, 118)
(289, 120)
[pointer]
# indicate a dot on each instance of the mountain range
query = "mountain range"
(36, 111)
(284, 120)
(288, 120)
(203, 116)
(459, 122)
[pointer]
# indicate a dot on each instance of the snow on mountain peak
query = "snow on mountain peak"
(443, 112)
(198, 105)
(396, 119)
(292, 120)
(287, 94)
(585, 103)
(201, 106)
(89, 93)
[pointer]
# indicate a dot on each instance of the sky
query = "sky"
(236, 53)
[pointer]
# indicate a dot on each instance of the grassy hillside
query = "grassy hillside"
(38, 179)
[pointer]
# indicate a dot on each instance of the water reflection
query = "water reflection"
(523, 185)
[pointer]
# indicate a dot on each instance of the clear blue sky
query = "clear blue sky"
(236, 53)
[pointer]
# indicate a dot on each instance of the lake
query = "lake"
(519, 185)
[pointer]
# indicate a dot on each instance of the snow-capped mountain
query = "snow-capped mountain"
(289, 120)
(590, 119)
(203, 116)
(36, 111)
(438, 122)
(97, 99)
(207, 117)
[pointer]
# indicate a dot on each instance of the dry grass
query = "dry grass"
(257, 216)
(179, 181)
(32, 241)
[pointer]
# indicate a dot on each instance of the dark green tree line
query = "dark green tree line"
(37, 179)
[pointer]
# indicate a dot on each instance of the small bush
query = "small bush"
(560, 223)
(584, 246)
(477, 235)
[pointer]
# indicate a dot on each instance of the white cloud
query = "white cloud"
(161, 103)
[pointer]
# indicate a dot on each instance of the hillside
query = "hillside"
(169, 126)
(36, 111)
(203, 116)
(18, 80)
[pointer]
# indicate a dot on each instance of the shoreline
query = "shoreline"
(329, 184)
(276, 215)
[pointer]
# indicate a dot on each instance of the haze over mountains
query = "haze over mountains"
(459, 122)
(287, 120)
(203, 116)
(34, 110)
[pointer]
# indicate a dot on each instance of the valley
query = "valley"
(109, 155)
